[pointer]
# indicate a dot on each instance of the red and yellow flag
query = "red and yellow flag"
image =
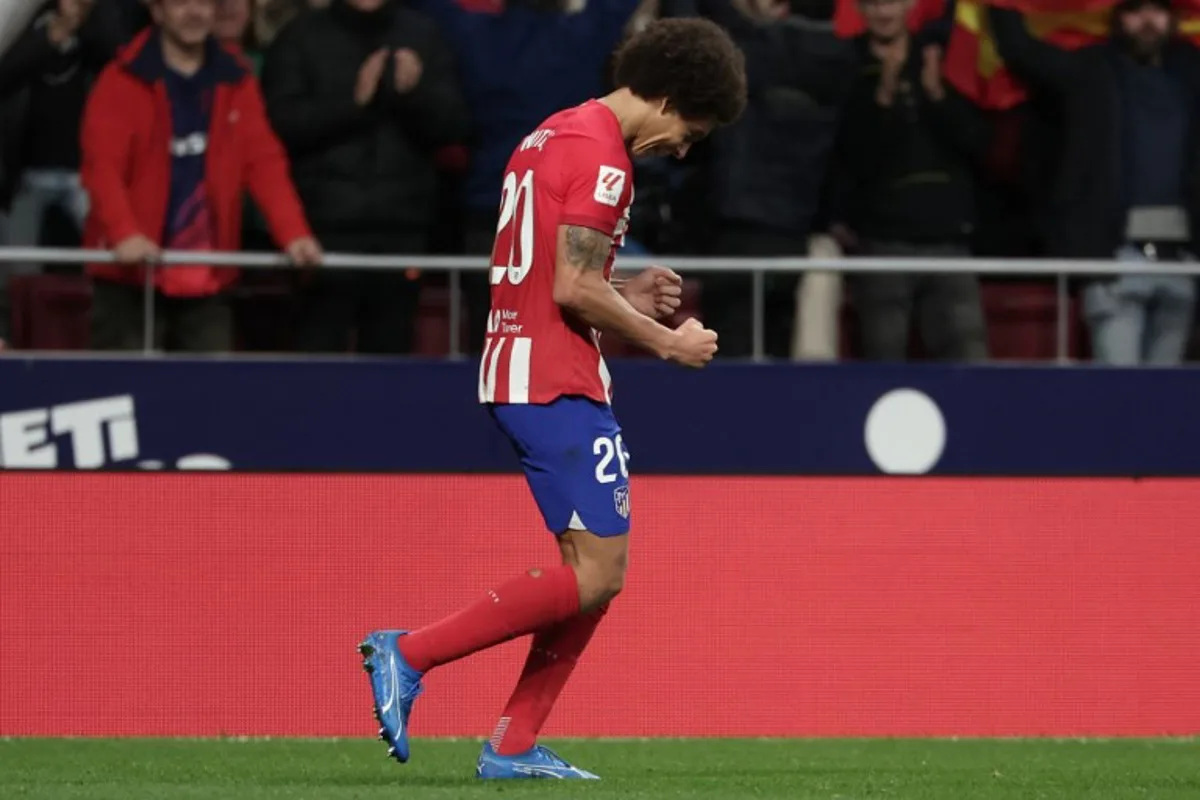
(847, 22)
(974, 67)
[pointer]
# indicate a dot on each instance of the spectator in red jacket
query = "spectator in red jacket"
(173, 133)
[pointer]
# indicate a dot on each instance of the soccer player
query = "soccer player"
(564, 209)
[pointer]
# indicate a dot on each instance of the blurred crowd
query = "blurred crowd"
(383, 127)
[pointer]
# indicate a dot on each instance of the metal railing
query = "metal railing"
(1061, 269)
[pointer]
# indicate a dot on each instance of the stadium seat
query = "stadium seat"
(50, 312)
(264, 312)
(433, 322)
(1193, 350)
(1022, 320)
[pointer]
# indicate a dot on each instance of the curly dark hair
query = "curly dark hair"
(690, 63)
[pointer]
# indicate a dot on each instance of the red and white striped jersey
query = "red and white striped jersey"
(573, 170)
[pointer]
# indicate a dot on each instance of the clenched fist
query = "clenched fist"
(694, 346)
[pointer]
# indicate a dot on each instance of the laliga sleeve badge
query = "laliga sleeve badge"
(610, 184)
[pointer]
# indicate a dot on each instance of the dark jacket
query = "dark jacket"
(362, 169)
(127, 163)
(907, 172)
(1086, 204)
(768, 168)
(520, 66)
(24, 62)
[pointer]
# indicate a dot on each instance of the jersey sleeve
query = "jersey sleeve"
(595, 184)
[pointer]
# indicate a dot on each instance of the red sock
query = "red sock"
(552, 659)
(520, 606)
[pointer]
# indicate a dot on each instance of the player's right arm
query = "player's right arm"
(581, 288)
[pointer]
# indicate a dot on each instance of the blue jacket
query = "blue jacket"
(520, 66)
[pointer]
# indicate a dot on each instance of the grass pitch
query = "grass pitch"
(720, 769)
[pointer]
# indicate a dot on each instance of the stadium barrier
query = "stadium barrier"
(423, 416)
(1061, 269)
(185, 604)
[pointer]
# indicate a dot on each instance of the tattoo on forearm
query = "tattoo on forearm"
(587, 248)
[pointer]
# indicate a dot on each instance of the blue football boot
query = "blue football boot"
(539, 762)
(395, 685)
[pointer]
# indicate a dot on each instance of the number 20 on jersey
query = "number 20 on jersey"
(514, 232)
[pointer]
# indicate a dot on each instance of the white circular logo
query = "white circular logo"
(905, 433)
(203, 461)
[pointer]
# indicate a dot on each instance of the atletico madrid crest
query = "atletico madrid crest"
(621, 499)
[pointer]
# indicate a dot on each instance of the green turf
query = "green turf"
(721, 769)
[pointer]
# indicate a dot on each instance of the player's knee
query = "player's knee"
(597, 593)
(601, 580)
(612, 584)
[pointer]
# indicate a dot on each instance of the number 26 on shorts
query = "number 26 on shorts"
(609, 450)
